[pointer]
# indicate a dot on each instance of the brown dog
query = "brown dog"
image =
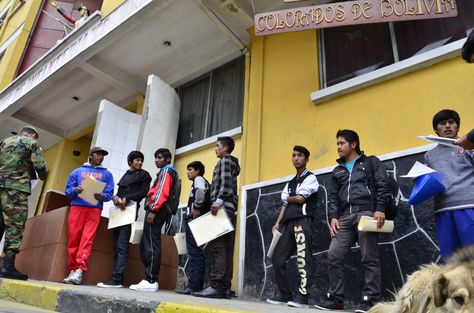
(437, 289)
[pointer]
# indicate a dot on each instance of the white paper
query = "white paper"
(369, 224)
(439, 140)
(136, 233)
(209, 227)
(90, 186)
(275, 239)
(119, 217)
(180, 240)
(418, 169)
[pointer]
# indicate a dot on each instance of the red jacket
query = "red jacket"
(160, 192)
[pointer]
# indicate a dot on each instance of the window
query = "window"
(212, 104)
(351, 51)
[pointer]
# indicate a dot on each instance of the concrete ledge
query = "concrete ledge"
(86, 299)
(34, 294)
(188, 307)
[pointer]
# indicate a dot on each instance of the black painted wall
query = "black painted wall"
(411, 244)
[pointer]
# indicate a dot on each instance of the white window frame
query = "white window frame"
(393, 70)
(208, 141)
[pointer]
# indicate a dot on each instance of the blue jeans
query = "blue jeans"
(455, 229)
(195, 262)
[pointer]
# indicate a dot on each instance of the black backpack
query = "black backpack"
(391, 208)
(173, 201)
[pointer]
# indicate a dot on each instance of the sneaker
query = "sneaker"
(145, 285)
(331, 303)
(299, 301)
(76, 278)
(110, 284)
(278, 300)
(365, 305)
(67, 280)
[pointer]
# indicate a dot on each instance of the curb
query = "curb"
(64, 299)
(188, 307)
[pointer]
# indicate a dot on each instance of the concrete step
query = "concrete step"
(81, 299)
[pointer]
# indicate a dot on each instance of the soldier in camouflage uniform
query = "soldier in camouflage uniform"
(20, 158)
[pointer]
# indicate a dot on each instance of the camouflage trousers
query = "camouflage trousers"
(14, 208)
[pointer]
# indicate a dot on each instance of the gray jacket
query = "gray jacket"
(457, 166)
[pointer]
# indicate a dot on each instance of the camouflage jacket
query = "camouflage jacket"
(20, 159)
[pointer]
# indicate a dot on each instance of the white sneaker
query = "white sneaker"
(67, 280)
(76, 278)
(144, 285)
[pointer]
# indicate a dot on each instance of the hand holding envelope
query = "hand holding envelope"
(209, 227)
(91, 186)
(369, 224)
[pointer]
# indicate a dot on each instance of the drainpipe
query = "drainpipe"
(13, 9)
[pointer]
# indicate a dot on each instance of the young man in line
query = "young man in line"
(223, 196)
(349, 200)
(132, 188)
(198, 204)
(157, 213)
(299, 199)
(84, 216)
(21, 157)
(454, 207)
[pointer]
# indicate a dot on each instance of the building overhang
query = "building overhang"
(111, 59)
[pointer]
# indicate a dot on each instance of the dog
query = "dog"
(437, 288)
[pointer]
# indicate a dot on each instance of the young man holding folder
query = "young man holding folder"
(299, 199)
(223, 196)
(84, 216)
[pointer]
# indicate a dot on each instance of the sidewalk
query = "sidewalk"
(81, 299)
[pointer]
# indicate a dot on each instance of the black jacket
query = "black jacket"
(134, 186)
(349, 192)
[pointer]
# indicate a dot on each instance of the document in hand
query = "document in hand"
(180, 240)
(90, 186)
(276, 238)
(209, 227)
(136, 233)
(439, 140)
(119, 217)
(368, 223)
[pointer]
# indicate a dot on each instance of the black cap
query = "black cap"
(98, 149)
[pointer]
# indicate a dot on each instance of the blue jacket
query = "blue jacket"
(76, 178)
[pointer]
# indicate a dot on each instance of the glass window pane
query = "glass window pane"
(227, 94)
(192, 115)
(356, 50)
(415, 37)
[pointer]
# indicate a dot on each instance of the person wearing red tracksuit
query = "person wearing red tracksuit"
(84, 216)
(157, 213)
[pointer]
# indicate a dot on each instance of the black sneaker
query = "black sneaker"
(365, 305)
(279, 300)
(299, 301)
(331, 303)
(110, 284)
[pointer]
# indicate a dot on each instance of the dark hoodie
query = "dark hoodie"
(224, 182)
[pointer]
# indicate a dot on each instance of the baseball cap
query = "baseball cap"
(98, 149)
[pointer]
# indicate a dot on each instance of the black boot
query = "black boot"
(9, 271)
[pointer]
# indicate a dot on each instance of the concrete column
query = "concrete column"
(160, 119)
